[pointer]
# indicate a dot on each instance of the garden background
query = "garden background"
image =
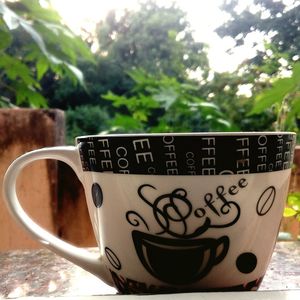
(142, 70)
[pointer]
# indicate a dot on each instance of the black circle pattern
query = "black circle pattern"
(246, 262)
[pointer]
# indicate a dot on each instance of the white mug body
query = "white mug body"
(159, 233)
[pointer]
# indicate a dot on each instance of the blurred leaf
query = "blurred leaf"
(208, 105)
(12, 21)
(15, 69)
(5, 40)
(6, 103)
(47, 45)
(76, 73)
(224, 122)
(54, 34)
(10, 18)
(294, 111)
(294, 201)
(41, 67)
(117, 100)
(167, 96)
(70, 46)
(40, 42)
(289, 212)
(5, 36)
(126, 123)
(189, 87)
(26, 94)
(140, 116)
(36, 11)
(279, 90)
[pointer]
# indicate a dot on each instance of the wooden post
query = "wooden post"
(73, 219)
(23, 130)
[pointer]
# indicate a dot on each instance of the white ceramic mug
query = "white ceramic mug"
(173, 212)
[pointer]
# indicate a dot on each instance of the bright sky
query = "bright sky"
(203, 15)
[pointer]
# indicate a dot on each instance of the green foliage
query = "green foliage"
(278, 19)
(163, 104)
(223, 91)
(293, 206)
(85, 120)
(33, 41)
(272, 92)
(284, 96)
(155, 38)
(124, 44)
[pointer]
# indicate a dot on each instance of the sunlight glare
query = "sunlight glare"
(203, 16)
(85, 14)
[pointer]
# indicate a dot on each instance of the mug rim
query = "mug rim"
(203, 153)
(204, 133)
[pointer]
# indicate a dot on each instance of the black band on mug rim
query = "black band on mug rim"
(188, 154)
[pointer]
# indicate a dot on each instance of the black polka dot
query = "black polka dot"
(97, 194)
(246, 262)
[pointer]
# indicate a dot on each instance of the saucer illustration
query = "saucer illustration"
(179, 261)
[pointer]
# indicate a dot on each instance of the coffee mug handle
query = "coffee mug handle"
(69, 154)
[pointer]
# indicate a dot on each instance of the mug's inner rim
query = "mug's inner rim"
(229, 133)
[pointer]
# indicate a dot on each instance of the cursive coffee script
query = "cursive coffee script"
(172, 210)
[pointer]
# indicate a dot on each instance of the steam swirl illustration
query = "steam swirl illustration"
(172, 211)
(135, 219)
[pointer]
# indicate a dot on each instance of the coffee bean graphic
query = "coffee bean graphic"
(112, 258)
(266, 201)
(97, 194)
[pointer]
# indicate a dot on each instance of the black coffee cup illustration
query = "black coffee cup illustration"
(179, 261)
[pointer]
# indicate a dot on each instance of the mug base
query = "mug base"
(129, 286)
